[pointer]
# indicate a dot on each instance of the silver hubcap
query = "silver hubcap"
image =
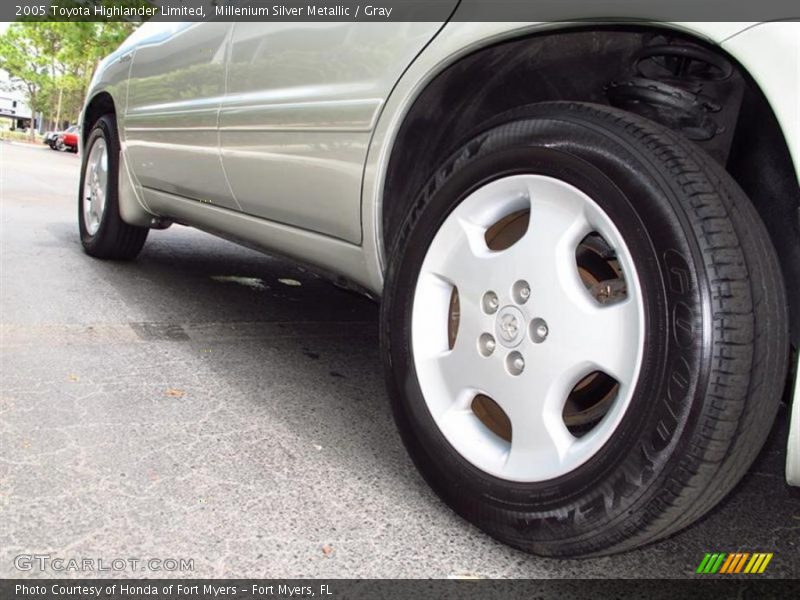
(95, 186)
(529, 329)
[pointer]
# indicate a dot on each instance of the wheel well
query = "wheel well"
(101, 104)
(588, 65)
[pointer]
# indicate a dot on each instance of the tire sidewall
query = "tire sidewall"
(646, 210)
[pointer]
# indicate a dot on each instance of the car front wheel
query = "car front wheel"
(103, 232)
(584, 330)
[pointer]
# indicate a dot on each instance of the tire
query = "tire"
(105, 235)
(709, 341)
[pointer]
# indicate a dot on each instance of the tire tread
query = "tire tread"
(748, 346)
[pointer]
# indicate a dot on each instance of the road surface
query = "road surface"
(206, 402)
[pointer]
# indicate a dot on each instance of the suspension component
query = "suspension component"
(688, 88)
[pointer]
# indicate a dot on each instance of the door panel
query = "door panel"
(176, 86)
(301, 102)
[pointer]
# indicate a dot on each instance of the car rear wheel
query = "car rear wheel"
(103, 232)
(584, 331)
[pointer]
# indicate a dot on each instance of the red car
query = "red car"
(66, 140)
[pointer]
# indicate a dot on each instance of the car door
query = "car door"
(302, 100)
(176, 85)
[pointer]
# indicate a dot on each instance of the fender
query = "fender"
(111, 78)
(456, 40)
(768, 52)
(771, 54)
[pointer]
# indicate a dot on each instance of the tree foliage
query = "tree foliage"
(53, 62)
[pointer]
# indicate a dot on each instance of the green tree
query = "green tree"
(53, 62)
(24, 56)
(83, 45)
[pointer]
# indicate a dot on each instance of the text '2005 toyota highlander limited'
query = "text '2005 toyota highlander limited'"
(585, 237)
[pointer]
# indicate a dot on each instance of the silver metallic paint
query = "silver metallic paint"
(175, 90)
(303, 99)
(309, 146)
(304, 141)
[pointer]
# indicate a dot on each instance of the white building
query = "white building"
(13, 107)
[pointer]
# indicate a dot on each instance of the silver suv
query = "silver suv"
(584, 237)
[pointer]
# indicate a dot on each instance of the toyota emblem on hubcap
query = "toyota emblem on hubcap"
(509, 326)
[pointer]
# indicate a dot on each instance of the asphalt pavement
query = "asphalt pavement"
(207, 402)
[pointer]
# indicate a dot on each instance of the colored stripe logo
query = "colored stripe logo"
(735, 563)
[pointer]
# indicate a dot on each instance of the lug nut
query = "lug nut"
(486, 344)
(490, 303)
(521, 291)
(515, 363)
(539, 330)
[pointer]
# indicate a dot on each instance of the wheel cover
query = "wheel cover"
(528, 331)
(95, 186)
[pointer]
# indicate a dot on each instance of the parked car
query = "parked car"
(584, 238)
(66, 140)
(49, 138)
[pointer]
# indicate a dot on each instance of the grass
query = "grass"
(19, 136)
